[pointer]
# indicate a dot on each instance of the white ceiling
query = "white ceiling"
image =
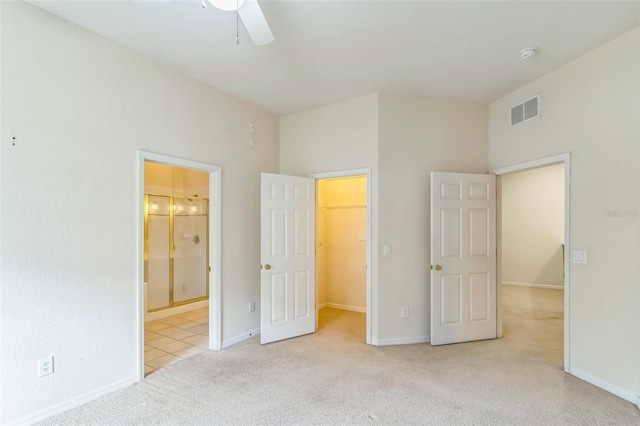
(328, 51)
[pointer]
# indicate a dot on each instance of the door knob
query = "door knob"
(438, 267)
(267, 266)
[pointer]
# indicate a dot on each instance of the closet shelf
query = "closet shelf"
(355, 206)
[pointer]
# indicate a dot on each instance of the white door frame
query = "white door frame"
(215, 277)
(548, 161)
(372, 261)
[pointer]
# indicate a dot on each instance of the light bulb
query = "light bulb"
(227, 5)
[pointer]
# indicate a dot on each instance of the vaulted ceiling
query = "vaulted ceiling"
(327, 51)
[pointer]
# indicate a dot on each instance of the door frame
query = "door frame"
(215, 224)
(565, 159)
(372, 260)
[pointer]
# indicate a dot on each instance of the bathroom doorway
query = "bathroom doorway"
(180, 255)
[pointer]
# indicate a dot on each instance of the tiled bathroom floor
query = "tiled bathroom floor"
(172, 339)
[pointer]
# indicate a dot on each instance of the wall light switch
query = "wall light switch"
(580, 257)
(362, 236)
(386, 250)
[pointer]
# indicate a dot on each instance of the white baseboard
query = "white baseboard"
(638, 402)
(344, 307)
(169, 312)
(45, 413)
(549, 286)
(240, 338)
(625, 394)
(401, 341)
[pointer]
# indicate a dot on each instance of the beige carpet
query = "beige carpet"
(331, 377)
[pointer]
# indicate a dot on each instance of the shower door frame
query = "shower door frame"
(214, 252)
(172, 215)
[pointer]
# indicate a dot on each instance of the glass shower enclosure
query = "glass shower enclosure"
(176, 250)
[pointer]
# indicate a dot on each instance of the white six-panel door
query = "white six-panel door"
(288, 235)
(463, 257)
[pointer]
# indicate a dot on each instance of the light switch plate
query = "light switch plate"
(386, 250)
(579, 257)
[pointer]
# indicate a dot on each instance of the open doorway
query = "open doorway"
(179, 252)
(176, 253)
(532, 211)
(341, 257)
(533, 241)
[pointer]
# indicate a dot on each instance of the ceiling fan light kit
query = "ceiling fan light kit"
(227, 5)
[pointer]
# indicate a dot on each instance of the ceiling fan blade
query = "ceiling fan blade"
(255, 22)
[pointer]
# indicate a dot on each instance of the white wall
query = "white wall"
(342, 136)
(168, 180)
(407, 137)
(590, 108)
(342, 253)
(533, 226)
(79, 107)
(418, 135)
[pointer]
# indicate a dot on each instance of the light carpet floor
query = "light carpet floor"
(332, 377)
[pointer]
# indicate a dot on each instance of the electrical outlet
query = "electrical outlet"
(45, 366)
(252, 306)
(252, 143)
(404, 311)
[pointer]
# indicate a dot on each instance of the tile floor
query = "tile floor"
(172, 339)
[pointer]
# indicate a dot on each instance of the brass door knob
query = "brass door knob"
(267, 266)
(438, 268)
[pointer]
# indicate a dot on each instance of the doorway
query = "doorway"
(179, 258)
(176, 278)
(532, 211)
(341, 256)
(370, 241)
(556, 306)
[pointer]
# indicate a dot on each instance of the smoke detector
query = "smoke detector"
(527, 52)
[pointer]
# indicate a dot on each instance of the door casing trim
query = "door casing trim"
(565, 159)
(215, 245)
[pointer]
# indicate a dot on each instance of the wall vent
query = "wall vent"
(527, 110)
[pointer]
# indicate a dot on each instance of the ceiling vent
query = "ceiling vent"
(527, 110)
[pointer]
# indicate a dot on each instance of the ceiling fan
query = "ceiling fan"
(252, 18)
